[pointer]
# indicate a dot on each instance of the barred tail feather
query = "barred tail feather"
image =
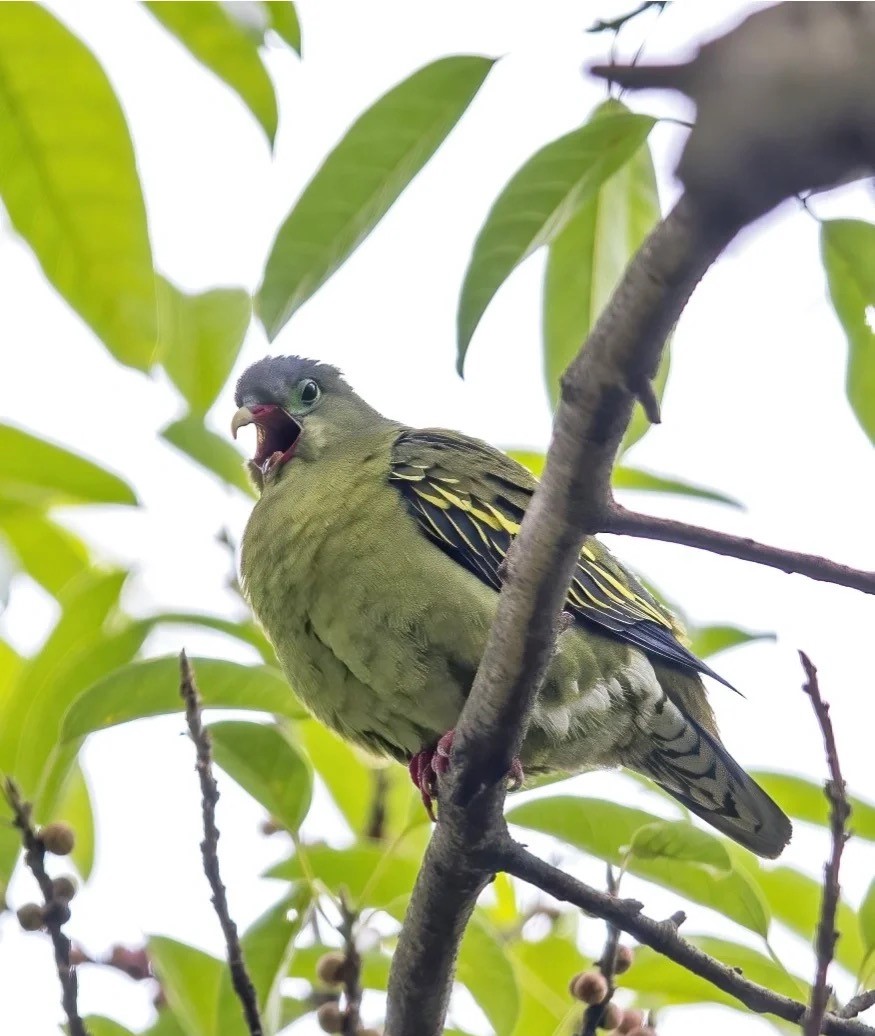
(694, 767)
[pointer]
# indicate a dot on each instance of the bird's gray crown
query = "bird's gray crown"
(271, 379)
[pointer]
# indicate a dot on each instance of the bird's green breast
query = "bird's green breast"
(377, 631)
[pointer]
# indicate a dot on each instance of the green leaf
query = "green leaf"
(49, 553)
(268, 945)
(69, 180)
(245, 631)
(588, 257)
(372, 876)
(191, 980)
(806, 800)
(543, 970)
(708, 640)
(485, 969)
(663, 983)
(151, 688)
(648, 482)
(848, 251)
(867, 920)
(211, 451)
(96, 1025)
(200, 337)
(36, 472)
(261, 759)
(794, 900)
(74, 808)
(284, 22)
(360, 180)
(679, 840)
(215, 39)
(538, 203)
(605, 829)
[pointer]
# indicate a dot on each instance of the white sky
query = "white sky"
(755, 407)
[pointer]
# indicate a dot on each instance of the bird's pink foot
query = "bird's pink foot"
(426, 765)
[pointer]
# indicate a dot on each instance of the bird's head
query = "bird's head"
(300, 408)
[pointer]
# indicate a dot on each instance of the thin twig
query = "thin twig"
(607, 965)
(34, 858)
(352, 968)
(857, 1004)
(629, 523)
(839, 811)
(662, 936)
(615, 24)
(240, 979)
(376, 825)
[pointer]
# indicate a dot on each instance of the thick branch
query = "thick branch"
(663, 936)
(840, 810)
(240, 979)
(34, 858)
(628, 523)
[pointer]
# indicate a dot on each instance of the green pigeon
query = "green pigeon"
(373, 560)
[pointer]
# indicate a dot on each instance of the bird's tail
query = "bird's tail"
(694, 767)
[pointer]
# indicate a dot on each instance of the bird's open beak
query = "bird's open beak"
(277, 433)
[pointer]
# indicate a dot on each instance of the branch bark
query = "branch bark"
(629, 523)
(839, 811)
(240, 979)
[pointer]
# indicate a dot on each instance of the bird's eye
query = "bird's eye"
(309, 391)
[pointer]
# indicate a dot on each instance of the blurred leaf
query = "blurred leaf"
(539, 202)
(212, 36)
(505, 912)
(372, 876)
(589, 255)
(74, 808)
(794, 900)
(34, 471)
(485, 969)
(848, 251)
(284, 22)
(375, 966)
(69, 180)
(360, 180)
(49, 553)
(543, 970)
(96, 1025)
(708, 640)
(352, 781)
(606, 828)
(245, 630)
(166, 1024)
(191, 980)
(632, 478)
(211, 451)
(264, 763)
(48, 681)
(867, 920)
(679, 840)
(268, 944)
(647, 482)
(662, 982)
(806, 800)
(200, 337)
(151, 688)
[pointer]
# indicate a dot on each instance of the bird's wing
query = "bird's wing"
(469, 499)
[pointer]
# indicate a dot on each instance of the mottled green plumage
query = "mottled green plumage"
(372, 560)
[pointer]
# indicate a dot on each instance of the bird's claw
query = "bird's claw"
(427, 765)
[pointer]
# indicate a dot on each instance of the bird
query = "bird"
(373, 560)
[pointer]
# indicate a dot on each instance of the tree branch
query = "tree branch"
(840, 810)
(53, 915)
(629, 523)
(662, 936)
(242, 983)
